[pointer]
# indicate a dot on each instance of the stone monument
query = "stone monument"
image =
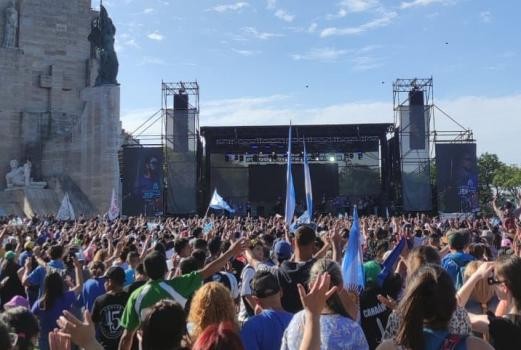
(59, 101)
(10, 25)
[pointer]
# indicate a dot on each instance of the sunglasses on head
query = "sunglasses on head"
(493, 280)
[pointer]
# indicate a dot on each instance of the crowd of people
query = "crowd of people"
(249, 283)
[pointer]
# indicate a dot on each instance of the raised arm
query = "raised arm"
(215, 266)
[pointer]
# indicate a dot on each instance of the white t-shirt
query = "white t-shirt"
(246, 276)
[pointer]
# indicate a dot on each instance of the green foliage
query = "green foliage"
(488, 166)
(508, 180)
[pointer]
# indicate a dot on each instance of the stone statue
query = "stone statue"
(27, 173)
(16, 177)
(11, 25)
(102, 39)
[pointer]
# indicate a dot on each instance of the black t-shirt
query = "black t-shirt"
(106, 314)
(505, 332)
(373, 315)
(290, 274)
(129, 289)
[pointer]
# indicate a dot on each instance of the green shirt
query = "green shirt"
(179, 289)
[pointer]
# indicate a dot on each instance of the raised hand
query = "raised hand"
(319, 293)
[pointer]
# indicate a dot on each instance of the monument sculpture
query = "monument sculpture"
(11, 25)
(20, 176)
(16, 177)
(59, 106)
(102, 40)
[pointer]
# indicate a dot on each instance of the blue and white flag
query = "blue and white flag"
(66, 211)
(290, 189)
(352, 263)
(218, 202)
(207, 227)
(309, 189)
(388, 264)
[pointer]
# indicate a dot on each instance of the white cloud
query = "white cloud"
(253, 32)
(485, 16)
(382, 21)
(246, 52)
(271, 4)
(365, 63)
(148, 11)
(326, 54)
(147, 60)
(229, 7)
(419, 3)
(283, 15)
(312, 27)
(358, 5)
(155, 36)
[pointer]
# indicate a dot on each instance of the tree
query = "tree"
(488, 166)
(508, 180)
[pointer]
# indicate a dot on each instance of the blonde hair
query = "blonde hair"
(212, 304)
(482, 292)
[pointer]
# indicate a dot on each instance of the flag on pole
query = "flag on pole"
(114, 207)
(290, 189)
(352, 263)
(309, 189)
(388, 264)
(66, 211)
(218, 202)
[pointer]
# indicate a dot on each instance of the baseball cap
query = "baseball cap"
(116, 274)
(264, 284)
(282, 250)
(371, 271)
(16, 301)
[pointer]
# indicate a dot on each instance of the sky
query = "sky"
(263, 62)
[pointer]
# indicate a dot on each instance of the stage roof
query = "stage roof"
(273, 138)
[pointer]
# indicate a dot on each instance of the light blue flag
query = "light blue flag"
(207, 227)
(218, 202)
(290, 189)
(309, 189)
(352, 263)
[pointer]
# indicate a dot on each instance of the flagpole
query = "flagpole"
(210, 203)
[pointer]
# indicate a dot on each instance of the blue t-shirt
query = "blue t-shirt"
(37, 276)
(264, 331)
(92, 288)
(435, 339)
(48, 318)
(129, 276)
(453, 263)
(23, 256)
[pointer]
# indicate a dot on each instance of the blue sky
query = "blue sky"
(253, 60)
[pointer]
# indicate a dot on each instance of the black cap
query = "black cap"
(264, 284)
(116, 274)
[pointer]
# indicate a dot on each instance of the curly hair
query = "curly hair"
(212, 304)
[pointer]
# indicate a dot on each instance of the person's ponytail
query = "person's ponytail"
(429, 301)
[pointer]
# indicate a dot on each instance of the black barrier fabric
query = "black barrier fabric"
(143, 181)
(457, 178)
(268, 182)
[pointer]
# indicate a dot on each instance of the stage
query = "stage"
(349, 164)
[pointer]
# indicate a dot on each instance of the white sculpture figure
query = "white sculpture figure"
(27, 173)
(16, 177)
(11, 25)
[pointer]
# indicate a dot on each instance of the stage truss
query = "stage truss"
(433, 135)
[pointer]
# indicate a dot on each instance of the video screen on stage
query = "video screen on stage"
(267, 183)
(457, 178)
(143, 181)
